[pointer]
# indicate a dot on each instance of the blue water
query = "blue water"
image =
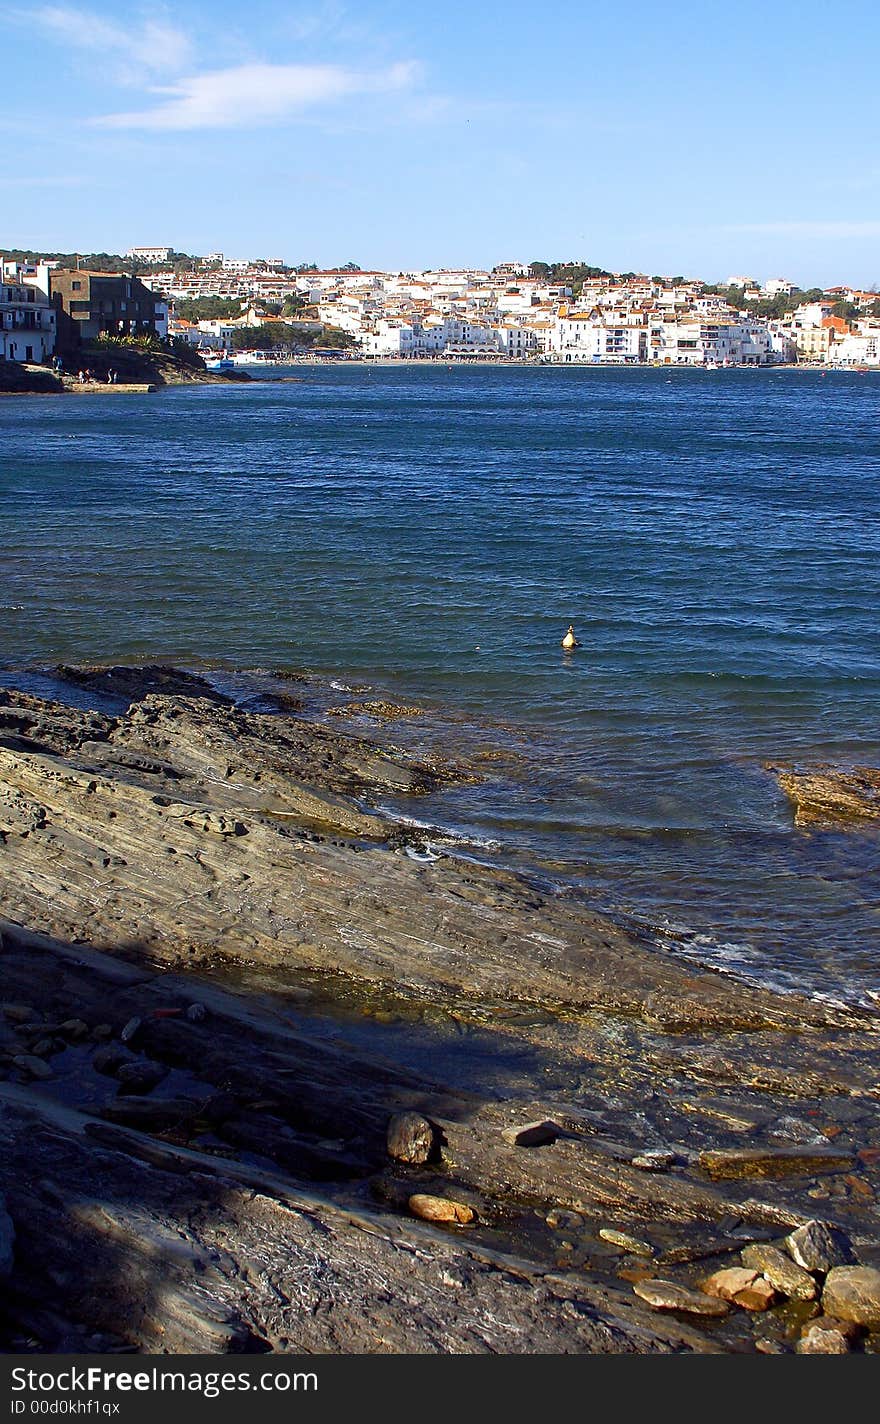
(714, 537)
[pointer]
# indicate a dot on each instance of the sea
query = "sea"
(427, 534)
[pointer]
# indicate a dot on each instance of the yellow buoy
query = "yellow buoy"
(570, 641)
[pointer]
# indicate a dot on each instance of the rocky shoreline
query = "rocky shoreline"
(272, 1078)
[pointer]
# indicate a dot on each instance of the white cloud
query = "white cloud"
(250, 94)
(150, 46)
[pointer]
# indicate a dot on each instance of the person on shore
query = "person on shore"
(570, 641)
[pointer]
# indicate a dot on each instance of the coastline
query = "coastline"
(187, 852)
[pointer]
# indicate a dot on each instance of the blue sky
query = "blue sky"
(690, 137)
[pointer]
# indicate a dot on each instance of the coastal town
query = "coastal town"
(253, 312)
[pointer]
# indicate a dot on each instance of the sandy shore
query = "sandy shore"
(225, 973)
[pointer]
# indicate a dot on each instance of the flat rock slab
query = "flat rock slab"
(721, 1163)
(669, 1295)
(741, 1286)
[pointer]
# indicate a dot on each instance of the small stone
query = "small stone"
(108, 1058)
(655, 1160)
(782, 1273)
(853, 1293)
(626, 1242)
(101, 1032)
(532, 1134)
(669, 1295)
(410, 1138)
(559, 1220)
(196, 1013)
(819, 1246)
(742, 1287)
(140, 1077)
(22, 1013)
(130, 1030)
(43, 1048)
(74, 1028)
(766, 1345)
(822, 1337)
(440, 1209)
(33, 1066)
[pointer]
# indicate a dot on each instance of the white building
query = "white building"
(27, 323)
(152, 255)
(778, 286)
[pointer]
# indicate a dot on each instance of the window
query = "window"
(76, 286)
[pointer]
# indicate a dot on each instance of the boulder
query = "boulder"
(669, 1295)
(827, 1335)
(440, 1209)
(819, 1246)
(410, 1138)
(532, 1134)
(742, 1287)
(782, 1273)
(853, 1293)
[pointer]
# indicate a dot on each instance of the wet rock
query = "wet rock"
(21, 1013)
(33, 1066)
(829, 797)
(109, 1058)
(140, 1077)
(766, 1345)
(669, 1295)
(101, 1032)
(196, 1013)
(655, 1160)
(74, 1029)
(7, 1241)
(440, 1209)
(819, 1246)
(532, 1134)
(633, 1244)
(44, 1048)
(726, 1163)
(742, 1287)
(130, 1030)
(853, 1293)
(410, 1138)
(827, 1336)
(559, 1220)
(780, 1270)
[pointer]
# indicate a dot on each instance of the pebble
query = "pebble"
(74, 1028)
(196, 1013)
(819, 1246)
(782, 1273)
(625, 1241)
(655, 1160)
(130, 1030)
(21, 1013)
(822, 1337)
(440, 1209)
(742, 1287)
(559, 1220)
(140, 1077)
(669, 1295)
(853, 1293)
(532, 1134)
(410, 1138)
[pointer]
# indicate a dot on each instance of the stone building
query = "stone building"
(91, 304)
